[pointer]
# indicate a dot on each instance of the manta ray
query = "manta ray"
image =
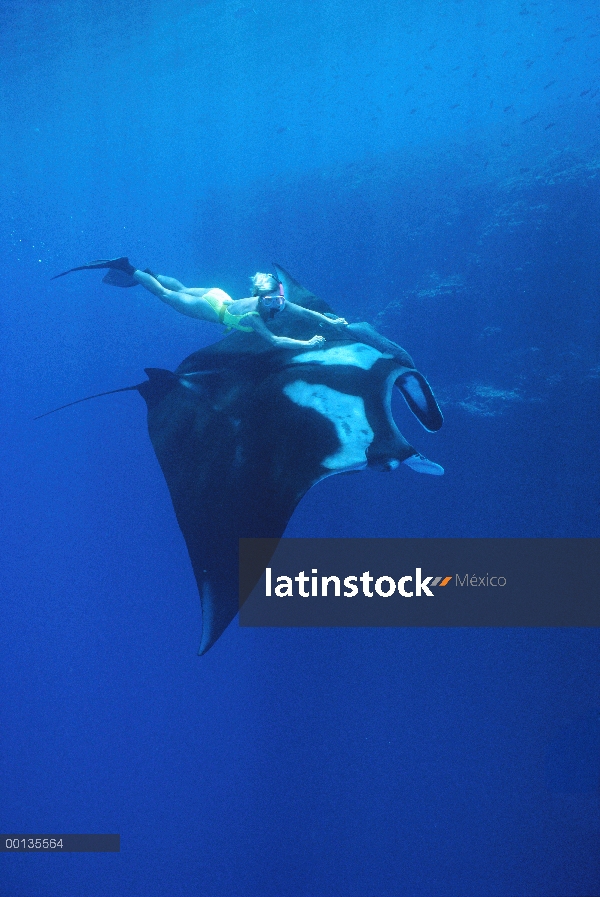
(242, 430)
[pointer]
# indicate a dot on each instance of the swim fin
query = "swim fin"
(117, 278)
(120, 264)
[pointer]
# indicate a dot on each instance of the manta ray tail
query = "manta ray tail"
(109, 392)
(158, 384)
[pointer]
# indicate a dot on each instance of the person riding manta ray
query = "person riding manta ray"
(271, 314)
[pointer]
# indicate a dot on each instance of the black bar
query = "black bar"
(60, 843)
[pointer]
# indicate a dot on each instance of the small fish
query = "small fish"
(508, 108)
(455, 106)
(529, 63)
(551, 125)
(567, 39)
(531, 118)
(585, 92)
(549, 84)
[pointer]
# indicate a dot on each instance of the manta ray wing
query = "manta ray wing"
(298, 294)
(242, 435)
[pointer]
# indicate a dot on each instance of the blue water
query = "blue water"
(431, 167)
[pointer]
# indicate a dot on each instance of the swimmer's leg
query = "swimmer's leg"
(120, 279)
(176, 286)
(188, 303)
(171, 283)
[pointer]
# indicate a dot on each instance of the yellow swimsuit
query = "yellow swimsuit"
(219, 300)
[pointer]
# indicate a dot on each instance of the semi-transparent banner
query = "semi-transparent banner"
(420, 582)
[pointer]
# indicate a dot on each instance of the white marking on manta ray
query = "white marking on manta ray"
(358, 355)
(346, 413)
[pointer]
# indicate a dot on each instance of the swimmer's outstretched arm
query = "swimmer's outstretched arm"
(324, 319)
(260, 327)
(316, 316)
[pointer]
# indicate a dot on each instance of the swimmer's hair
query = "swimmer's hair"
(263, 284)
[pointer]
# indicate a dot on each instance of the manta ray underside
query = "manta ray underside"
(243, 430)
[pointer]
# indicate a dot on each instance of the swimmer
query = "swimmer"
(273, 316)
(251, 314)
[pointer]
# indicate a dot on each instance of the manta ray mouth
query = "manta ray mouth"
(387, 455)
